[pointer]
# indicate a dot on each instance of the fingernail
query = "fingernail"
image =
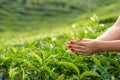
(69, 46)
(71, 42)
(72, 49)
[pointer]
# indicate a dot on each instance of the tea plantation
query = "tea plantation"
(33, 44)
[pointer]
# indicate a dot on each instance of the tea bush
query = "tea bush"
(48, 59)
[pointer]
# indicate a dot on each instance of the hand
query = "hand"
(84, 47)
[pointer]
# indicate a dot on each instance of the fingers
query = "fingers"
(80, 42)
(80, 47)
(75, 47)
(73, 44)
(77, 43)
(80, 50)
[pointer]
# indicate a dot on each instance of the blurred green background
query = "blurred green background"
(25, 18)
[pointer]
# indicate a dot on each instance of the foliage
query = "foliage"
(42, 54)
(48, 59)
(59, 5)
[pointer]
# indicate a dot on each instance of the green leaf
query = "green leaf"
(82, 66)
(104, 72)
(114, 62)
(37, 57)
(49, 70)
(113, 78)
(97, 62)
(71, 65)
(49, 60)
(23, 74)
(12, 73)
(88, 73)
(61, 77)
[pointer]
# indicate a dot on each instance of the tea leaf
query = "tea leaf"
(104, 72)
(23, 74)
(12, 73)
(88, 73)
(61, 77)
(37, 57)
(71, 65)
(49, 70)
(97, 62)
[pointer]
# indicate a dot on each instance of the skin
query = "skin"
(93, 46)
(102, 43)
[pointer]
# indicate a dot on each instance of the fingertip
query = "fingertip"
(72, 42)
(72, 49)
(69, 46)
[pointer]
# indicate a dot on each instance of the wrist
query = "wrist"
(103, 45)
(98, 45)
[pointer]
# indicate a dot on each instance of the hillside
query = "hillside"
(16, 22)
